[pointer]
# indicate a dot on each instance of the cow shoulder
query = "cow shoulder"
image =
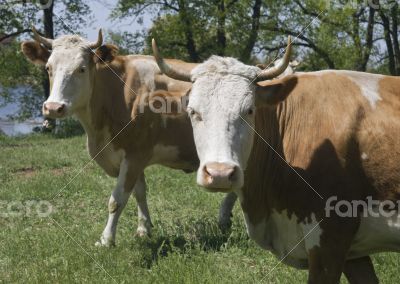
(35, 52)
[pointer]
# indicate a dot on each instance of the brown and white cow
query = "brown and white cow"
(298, 151)
(112, 97)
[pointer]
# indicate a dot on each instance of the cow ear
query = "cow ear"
(35, 52)
(105, 54)
(168, 103)
(275, 91)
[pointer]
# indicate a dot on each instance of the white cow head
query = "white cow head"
(222, 106)
(70, 64)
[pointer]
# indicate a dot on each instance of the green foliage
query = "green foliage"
(331, 34)
(22, 77)
(176, 23)
(69, 127)
(127, 43)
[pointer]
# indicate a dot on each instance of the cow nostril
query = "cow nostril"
(206, 172)
(60, 108)
(232, 175)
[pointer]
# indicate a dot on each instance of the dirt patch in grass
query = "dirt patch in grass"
(26, 172)
(59, 171)
(29, 172)
(22, 145)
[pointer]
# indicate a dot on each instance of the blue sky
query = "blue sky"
(101, 10)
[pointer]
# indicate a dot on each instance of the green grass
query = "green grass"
(186, 245)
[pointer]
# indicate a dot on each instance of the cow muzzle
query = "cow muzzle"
(54, 110)
(220, 176)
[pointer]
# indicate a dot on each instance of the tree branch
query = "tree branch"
(17, 33)
(324, 55)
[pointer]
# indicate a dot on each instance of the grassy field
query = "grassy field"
(186, 246)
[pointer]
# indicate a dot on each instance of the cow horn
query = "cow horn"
(167, 69)
(45, 41)
(99, 41)
(280, 68)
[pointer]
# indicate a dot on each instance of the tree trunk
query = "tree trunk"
(221, 36)
(49, 124)
(369, 40)
(394, 15)
(388, 40)
(187, 26)
(255, 26)
(357, 41)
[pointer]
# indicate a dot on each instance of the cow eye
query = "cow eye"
(48, 69)
(82, 70)
(194, 114)
(250, 111)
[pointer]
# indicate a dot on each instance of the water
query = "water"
(12, 127)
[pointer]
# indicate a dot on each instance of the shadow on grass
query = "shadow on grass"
(202, 235)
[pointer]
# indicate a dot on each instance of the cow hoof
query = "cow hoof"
(105, 242)
(142, 233)
(225, 225)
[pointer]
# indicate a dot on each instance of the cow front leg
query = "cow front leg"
(116, 204)
(360, 271)
(144, 221)
(325, 266)
(225, 211)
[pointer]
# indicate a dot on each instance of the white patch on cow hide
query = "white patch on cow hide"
(146, 72)
(376, 234)
(368, 83)
(364, 156)
(284, 237)
(313, 232)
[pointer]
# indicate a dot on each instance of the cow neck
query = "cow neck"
(108, 110)
(270, 183)
(264, 169)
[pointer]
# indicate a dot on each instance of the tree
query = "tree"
(389, 18)
(194, 30)
(341, 35)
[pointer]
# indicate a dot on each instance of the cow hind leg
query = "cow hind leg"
(225, 211)
(360, 271)
(144, 221)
